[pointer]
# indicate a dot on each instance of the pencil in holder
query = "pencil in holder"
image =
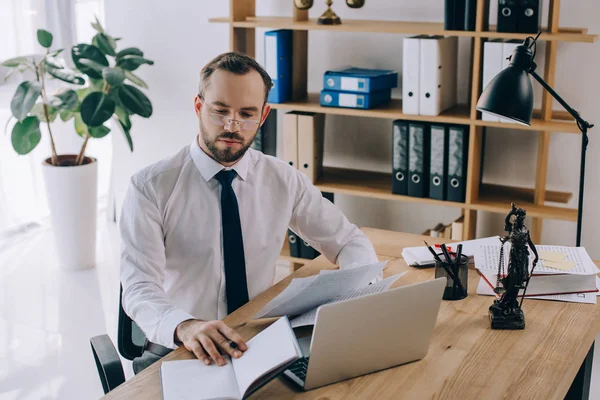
(457, 277)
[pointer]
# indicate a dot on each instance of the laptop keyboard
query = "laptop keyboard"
(299, 368)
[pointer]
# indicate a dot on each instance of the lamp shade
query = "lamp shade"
(509, 95)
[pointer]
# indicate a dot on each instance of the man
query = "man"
(202, 230)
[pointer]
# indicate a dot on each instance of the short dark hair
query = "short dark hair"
(234, 62)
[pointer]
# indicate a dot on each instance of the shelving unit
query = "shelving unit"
(479, 197)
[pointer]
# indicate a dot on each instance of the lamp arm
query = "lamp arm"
(583, 126)
(580, 121)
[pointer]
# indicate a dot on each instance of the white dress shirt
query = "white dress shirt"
(172, 254)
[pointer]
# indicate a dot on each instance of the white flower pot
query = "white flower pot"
(72, 199)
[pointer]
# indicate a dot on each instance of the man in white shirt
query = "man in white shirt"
(202, 230)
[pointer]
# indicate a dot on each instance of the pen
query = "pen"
(458, 254)
(233, 344)
(435, 256)
(446, 254)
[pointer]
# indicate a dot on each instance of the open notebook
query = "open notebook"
(269, 353)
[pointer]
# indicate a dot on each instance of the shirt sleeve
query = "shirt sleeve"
(320, 223)
(142, 269)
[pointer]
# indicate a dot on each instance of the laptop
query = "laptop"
(367, 334)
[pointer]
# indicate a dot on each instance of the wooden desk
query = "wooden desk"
(466, 359)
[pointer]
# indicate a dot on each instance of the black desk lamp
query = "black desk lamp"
(510, 95)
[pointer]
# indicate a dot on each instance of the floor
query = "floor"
(47, 316)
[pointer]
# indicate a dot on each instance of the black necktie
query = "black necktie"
(236, 286)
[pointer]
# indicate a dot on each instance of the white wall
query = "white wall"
(180, 41)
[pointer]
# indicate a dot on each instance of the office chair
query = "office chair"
(130, 340)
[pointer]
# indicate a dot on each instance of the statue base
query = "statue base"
(503, 317)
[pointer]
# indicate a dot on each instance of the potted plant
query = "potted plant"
(99, 88)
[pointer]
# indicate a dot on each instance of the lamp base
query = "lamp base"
(502, 317)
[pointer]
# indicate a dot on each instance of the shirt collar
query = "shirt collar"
(208, 167)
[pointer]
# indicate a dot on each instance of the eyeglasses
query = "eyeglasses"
(224, 120)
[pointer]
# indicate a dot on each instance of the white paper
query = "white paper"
(271, 56)
(422, 256)
(193, 380)
(347, 100)
(349, 84)
(299, 299)
(273, 347)
(588, 298)
(486, 259)
(308, 318)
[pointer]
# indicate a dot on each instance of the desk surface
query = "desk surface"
(466, 358)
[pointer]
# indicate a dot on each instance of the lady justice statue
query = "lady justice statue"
(506, 312)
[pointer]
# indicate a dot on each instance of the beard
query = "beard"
(227, 154)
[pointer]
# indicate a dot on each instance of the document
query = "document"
(311, 292)
(587, 298)
(269, 353)
(488, 256)
(308, 318)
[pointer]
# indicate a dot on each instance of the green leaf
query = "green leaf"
(38, 111)
(135, 79)
(55, 53)
(123, 117)
(99, 132)
(97, 25)
(132, 62)
(135, 100)
(44, 38)
(66, 115)
(114, 76)
(130, 51)
(84, 51)
(125, 130)
(83, 92)
(17, 61)
(97, 84)
(92, 65)
(26, 135)
(105, 44)
(80, 127)
(24, 98)
(96, 109)
(7, 76)
(66, 75)
(66, 100)
(53, 62)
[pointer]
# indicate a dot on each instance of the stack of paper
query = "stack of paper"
(422, 257)
(562, 273)
(305, 294)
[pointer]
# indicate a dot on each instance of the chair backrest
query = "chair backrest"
(131, 338)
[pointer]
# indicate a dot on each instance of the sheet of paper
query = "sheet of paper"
(588, 298)
(563, 265)
(551, 255)
(324, 288)
(295, 286)
(486, 259)
(273, 347)
(308, 318)
(421, 255)
(192, 380)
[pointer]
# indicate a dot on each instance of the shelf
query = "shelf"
(400, 27)
(497, 204)
(378, 185)
(455, 115)
(285, 254)
(392, 110)
(369, 184)
(525, 195)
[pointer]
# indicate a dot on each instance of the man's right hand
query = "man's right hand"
(204, 338)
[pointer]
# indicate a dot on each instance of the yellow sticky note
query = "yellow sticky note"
(564, 265)
(551, 256)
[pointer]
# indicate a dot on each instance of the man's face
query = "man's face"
(230, 97)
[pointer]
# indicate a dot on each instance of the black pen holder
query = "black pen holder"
(457, 277)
